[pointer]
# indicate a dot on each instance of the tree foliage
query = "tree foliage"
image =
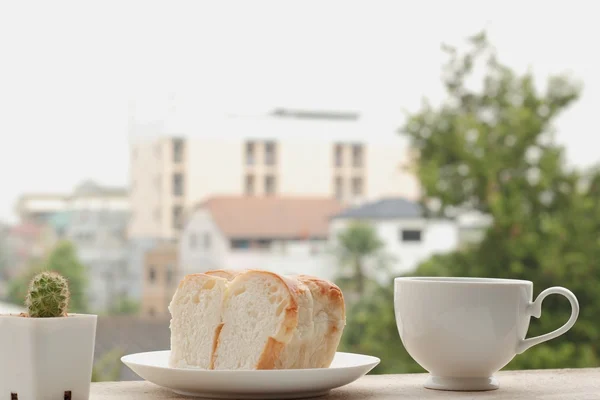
(489, 148)
(63, 259)
(125, 306)
(108, 367)
(357, 247)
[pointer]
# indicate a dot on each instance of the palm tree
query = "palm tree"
(356, 245)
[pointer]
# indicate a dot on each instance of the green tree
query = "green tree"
(125, 306)
(489, 148)
(63, 259)
(371, 329)
(356, 246)
(108, 367)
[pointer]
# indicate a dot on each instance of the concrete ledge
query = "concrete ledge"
(564, 384)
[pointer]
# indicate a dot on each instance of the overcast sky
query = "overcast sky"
(70, 70)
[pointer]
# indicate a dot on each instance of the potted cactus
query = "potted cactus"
(46, 353)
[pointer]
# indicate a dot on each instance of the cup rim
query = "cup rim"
(462, 280)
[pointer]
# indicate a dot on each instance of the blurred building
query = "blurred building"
(284, 153)
(24, 244)
(97, 226)
(287, 235)
(40, 207)
(160, 279)
(407, 236)
(94, 218)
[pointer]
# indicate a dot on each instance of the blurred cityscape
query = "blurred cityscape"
(472, 182)
(274, 201)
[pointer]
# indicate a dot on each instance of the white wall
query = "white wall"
(438, 236)
(287, 264)
(145, 196)
(305, 167)
(200, 258)
(214, 168)
(385, 176)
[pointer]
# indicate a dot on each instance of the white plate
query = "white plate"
(263, 384)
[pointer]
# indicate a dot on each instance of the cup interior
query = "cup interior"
(492, 281)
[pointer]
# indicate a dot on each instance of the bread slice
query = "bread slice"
(329, 318)
(255, 320)
(196, 320)
(260, 315)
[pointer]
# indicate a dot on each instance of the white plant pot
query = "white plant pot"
(45, 358)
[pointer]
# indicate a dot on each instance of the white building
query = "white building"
(285, 153)
(94, 218)
(287, 235)
(97, 226)
(408, 237)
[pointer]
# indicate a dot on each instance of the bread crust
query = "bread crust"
(329, 318)
(270, 354)
(228, 274)
(310, 329)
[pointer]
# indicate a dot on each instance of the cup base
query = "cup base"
(461, 384)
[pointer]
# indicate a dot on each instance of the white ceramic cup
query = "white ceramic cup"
(464, 330)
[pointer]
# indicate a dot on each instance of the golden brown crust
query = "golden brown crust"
(270, 354)
(190, 277)
(213, 352)
(228, 274)
(327, 289)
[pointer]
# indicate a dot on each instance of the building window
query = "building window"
(269, 184)
(357, 155)
(410, 235)
(249, 185)
(151, 274)
(339, 155)
(207, 241)
(240, 244)
(177, 216)
(357, 186)
(270, 156)
(264, 244)
(192, 241)
(178, 184)
(250, 149)
(157, 183)
(157, 150)
(339, 188)
(157, 214)
(178, 149)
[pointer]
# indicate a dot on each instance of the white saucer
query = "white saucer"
(263, 384)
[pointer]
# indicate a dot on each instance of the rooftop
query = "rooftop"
(315, 114)
(390, 208)
(272, 217)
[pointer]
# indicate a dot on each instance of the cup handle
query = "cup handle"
(535, 310)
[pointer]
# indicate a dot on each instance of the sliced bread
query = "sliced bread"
(196, 320)
(263, 321)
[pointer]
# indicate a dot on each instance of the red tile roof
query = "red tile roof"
(272, 217)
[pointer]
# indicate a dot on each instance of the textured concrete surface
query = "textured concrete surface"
(567, 384)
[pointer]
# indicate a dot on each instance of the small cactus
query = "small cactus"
(48, 296)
